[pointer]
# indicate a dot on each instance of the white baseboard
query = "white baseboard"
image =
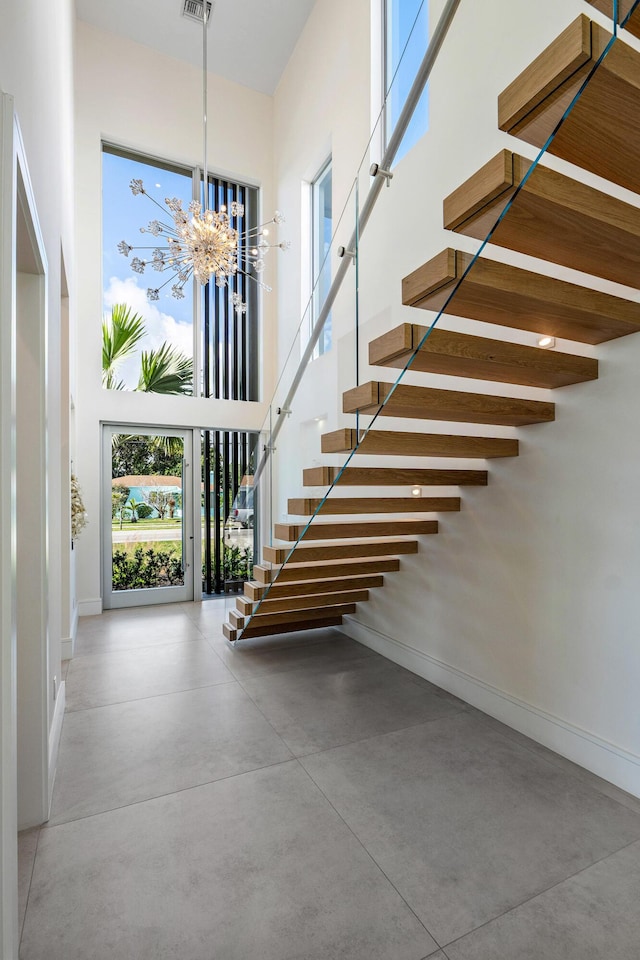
(68, 644)
(605, 759)
(54, 736)
(90, 608)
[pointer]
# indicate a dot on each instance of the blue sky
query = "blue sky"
(122, 217)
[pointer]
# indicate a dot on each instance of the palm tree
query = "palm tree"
(165, 370)
(120, 337)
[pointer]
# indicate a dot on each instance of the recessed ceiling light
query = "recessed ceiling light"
(547, 343)
(416, 491)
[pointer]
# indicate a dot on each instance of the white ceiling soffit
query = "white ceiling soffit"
(250, 41)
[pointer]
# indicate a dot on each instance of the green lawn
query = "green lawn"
(172, 546)
(152, 524)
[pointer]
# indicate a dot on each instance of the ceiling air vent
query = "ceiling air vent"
(192, 10)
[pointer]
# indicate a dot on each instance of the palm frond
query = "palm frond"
(165, 370)
(121, 334)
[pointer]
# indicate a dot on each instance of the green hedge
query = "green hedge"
(145, 568)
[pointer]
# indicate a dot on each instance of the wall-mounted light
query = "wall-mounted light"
(547, 343)
(416, 491)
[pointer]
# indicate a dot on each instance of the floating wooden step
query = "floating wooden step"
(247, 607)
(371, 528)
(302, 573)
(602, 131)
(427, 403)
(341, 506)
(392, 443)
(392, 477)
(290, 616)
(269, 630)
(339, 551)
(553, 217)
(499, 293)
(461, 355)
(366, 581)
(624, 9)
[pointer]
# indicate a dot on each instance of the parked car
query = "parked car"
(243, 508)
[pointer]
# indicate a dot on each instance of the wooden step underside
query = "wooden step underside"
(602, 131)
(511, 297)
(336, 531)
(461, 355)
(339, 551)
(264, 630)
(624, 8)
(391, 477)
(427, 403)
(301, 574)
(291, 616)
(366, 581)
(553, 217)
(343, 506)
(392, 443)
(247, 607)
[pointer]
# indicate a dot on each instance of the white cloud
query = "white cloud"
(159, 326)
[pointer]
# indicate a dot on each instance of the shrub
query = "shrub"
(144, 511)
(145, 568)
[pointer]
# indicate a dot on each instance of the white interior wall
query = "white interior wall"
(116, 104)
(36, 70)
(526, 602)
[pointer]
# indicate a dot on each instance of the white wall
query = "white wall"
(36, 70)
(114, 81)
(526, 602)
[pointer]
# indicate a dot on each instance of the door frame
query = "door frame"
(115, 599)
(17, 198)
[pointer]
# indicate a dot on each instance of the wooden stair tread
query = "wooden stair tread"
(398, 443)
(300, 573)
(371, 528)
(602, 131)
(428, 403)
(290, 616)
(554, 217)
(462, 355)
(339, 551)
(624, 8)
(392, 476)
(371, 505)
(511, 297)
(246, 607)
(269, 630)
(367, 581)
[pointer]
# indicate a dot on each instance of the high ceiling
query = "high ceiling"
(250, 41)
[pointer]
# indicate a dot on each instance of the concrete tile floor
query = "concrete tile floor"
(301, 798)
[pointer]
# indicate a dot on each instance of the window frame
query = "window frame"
(320, 261)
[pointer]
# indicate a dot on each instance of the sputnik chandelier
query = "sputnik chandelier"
(201, 242)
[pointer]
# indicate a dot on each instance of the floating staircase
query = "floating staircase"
(317, 572)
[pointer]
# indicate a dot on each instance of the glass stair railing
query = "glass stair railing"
(369, 448)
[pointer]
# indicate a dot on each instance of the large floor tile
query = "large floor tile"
(314, 710)
(465, 822)
(130, 631)
(144, 672)
(259, 657)
(27, 843)
(120, 754)
(592, 916)
(256, 866)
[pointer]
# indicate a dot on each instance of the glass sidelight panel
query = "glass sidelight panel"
(148, 530)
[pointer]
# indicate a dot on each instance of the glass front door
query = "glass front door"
(148, 525)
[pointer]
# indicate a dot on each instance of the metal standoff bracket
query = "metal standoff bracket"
(375, 170)
(283, 411)
(343, 252)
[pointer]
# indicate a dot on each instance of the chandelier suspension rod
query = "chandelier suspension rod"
(205, 179)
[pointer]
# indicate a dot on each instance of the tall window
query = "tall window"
(133, 358)
(405, 40)
(321, 232)
(156, 346)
